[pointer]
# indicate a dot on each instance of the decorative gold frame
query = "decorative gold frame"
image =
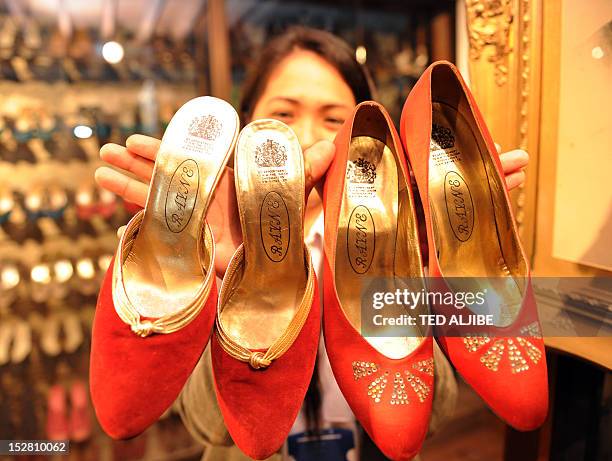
(504, 64)
(514, 48)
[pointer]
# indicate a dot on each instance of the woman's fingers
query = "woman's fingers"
(126, 160)
(515, 179)
(144, 146)
(138, 158)
(514, 160)
(513, 163)
(129, 189)
(317, 159)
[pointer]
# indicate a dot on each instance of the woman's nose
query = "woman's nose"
(305, 130)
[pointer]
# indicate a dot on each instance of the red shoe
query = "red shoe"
(57, 414)
(268, 321)
(471, 234)
(157, 304)
(80, 420)
(371, 233)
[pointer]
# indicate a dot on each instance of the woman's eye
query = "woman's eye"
(283, 115)
(334, 120)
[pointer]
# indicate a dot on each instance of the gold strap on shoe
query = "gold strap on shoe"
(171, 322)
(258, 359)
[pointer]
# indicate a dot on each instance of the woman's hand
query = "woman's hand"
(513, 163)
(135, 163)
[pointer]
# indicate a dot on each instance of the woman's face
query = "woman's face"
(308, 94)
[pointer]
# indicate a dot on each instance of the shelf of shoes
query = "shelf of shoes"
(394, 42)
(58, 228)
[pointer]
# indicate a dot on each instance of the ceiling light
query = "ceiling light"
(112, 52)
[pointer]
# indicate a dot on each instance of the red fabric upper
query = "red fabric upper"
(398, 430)
(259, 407)
(520, 398)
(134, 380)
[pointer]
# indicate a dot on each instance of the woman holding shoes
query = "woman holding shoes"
(310, 80)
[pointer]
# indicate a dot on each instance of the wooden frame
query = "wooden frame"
(504, 65)
(513, 50)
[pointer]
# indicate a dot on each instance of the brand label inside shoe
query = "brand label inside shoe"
(361, 239)
(274, 226)
(202, 131)
(206, 127)
(182, 195)
(271, 160)
(459, 205)
(442, 147)
(441, 137)
(361, 176)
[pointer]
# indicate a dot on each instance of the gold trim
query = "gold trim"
(508, 34)
(524, 93)
(171, 322)
(258, 359)
(489, 26)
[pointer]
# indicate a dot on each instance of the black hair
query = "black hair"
(325, 44)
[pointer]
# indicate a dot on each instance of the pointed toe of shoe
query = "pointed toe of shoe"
(508, 373)
(259, 407)
(133, 380)
(391, 398)
(401, 435)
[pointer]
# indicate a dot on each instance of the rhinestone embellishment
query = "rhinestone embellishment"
(424, 366)
(493, 355)
(418, 386)
(533, 329)
(399, 396)
(363, 369)
(532, 352)
(516, 347)
(376, 387)
(473, 343)
(517, 362)
(402, 383)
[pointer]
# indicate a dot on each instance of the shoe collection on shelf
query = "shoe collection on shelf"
(264, 323)
(30, 51)
(58, 229)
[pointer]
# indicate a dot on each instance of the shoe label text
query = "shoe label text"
(182, 195)
(459, 205)
(274, 226)
(361, 239)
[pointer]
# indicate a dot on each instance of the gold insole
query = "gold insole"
(163, 271)
(269, 174)
(368, 235)
(463, 215)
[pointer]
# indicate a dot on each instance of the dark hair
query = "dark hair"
(340, 55)
(328, 46)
